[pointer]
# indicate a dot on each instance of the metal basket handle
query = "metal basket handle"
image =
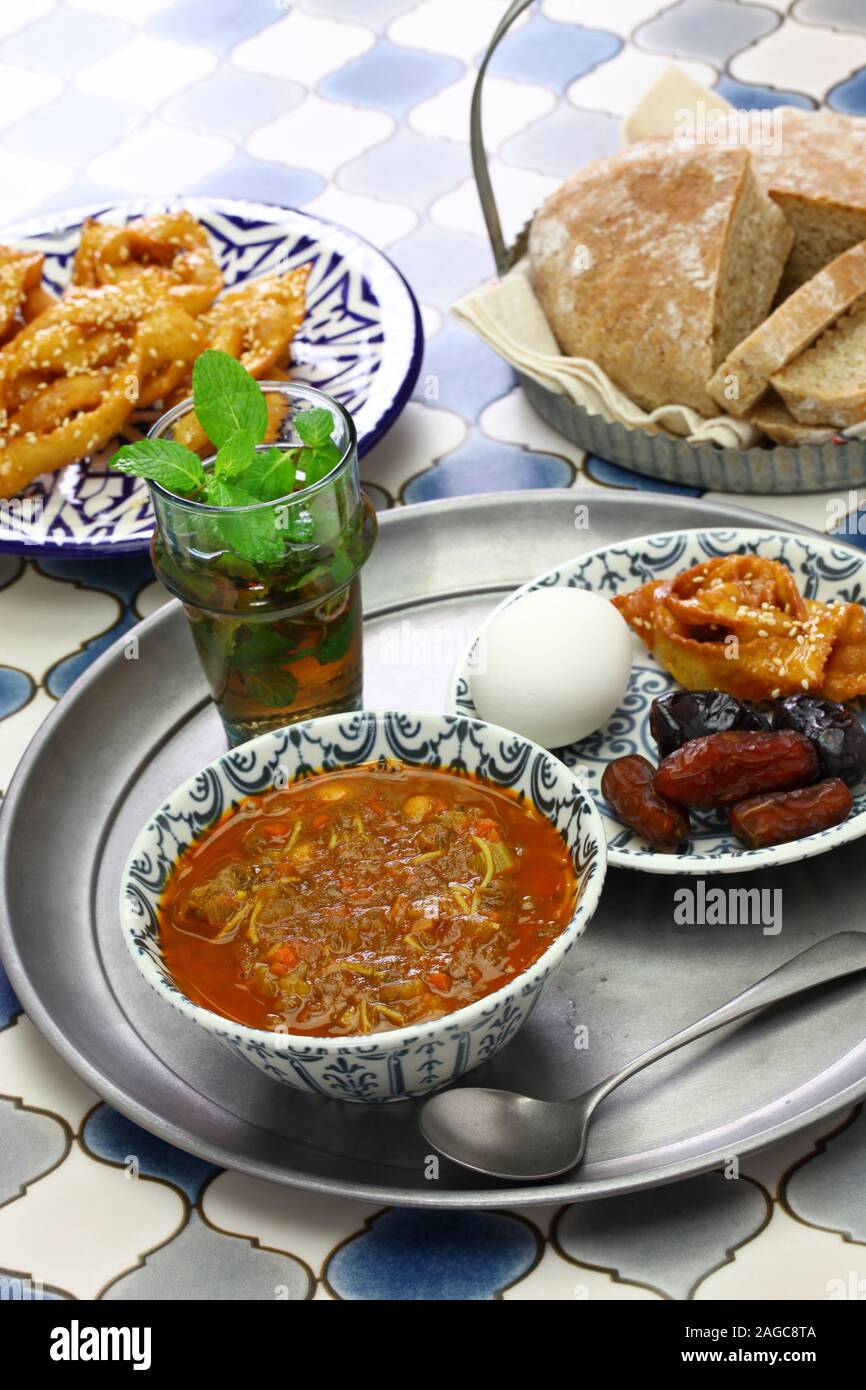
(504, 257)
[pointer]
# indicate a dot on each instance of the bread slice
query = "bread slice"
(772, 417)
(813, 165)
(826, 385)
(654, 262)
(743, 377)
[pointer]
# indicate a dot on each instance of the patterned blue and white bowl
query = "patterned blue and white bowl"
(408, 1061)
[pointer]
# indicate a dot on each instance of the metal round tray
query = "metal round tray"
(129, 731)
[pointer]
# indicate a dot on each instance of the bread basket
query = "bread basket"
(764, 470)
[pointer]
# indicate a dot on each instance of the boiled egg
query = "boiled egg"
(553, 666)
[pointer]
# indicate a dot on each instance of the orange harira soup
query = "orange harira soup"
(365, 900)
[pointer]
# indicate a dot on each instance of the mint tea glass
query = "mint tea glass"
(272, 591)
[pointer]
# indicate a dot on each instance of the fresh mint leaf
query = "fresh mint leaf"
(314, 426)
(263, 647)
(173, 466)
(221, 493)
(235, 456)
(342, 568)
(338, 571)
(271, 474)
(276, 690)
(318, 461)
(252, 535)
(337, 643)
(227, 398)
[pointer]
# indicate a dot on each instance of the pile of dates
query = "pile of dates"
(780, 772)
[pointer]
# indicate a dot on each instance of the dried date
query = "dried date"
(682, 715)
(835, 730)
(782, 816)
(722, 769)
(628, 788)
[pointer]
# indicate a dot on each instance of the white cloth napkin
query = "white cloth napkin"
(508, 317)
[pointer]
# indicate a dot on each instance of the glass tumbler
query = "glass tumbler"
(272, 591)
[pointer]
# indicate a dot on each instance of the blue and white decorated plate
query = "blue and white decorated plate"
(361, 341)
(822, 571)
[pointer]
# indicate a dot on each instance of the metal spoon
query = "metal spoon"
(513, 1136)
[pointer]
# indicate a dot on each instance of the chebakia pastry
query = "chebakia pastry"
(255, 323)
(738, 623)
(170, 252)
(21, 294)
(141, 306)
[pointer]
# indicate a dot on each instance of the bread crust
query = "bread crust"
(629, 256)
(816, 172)
(798, 321)
(772, 417)
(826, 385)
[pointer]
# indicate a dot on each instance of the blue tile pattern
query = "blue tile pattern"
(706, 29)
(849, 96)
(65, 41)
(668, 1238)
(841, 14)
(380, 140)
(480, 465)
(853, 528)
(260, 181)
(552, 54)
(614, 475)
(556, 143)
(829, 1188)
(116, 1139)
(760, 98)
(442, 264)
(461, 373)
(31, 1143)
(123, 576)
(376, 12)
(16, 688)
(428, 1256)
(420, 167)
(233, 103)
(201, 1264)
(15, 1289)
(82, 125)
(9, 1006)
(389, 78)
(215, 24)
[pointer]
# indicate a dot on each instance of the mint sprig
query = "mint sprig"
(235, 456)
(227, 399)
(231, 408)
(251, 534)
(315, 427)
(173, 466)
(272, 474)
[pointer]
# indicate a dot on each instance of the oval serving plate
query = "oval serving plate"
(822, 571)
(361, 341)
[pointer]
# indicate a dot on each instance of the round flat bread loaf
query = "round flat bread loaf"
(655, 262)
(813, 165)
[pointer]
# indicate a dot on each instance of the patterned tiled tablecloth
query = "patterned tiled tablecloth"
(358, 110)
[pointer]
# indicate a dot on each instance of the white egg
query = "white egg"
(553, 665)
